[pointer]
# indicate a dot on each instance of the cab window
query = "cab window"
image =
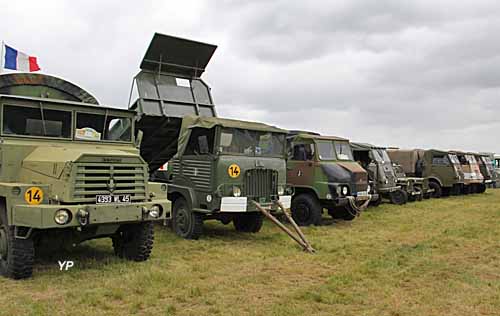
(440, 160)
(201, 141)
(20, 120)
(303, 152)
(96, 127)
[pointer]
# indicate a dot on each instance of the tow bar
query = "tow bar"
(300, 239)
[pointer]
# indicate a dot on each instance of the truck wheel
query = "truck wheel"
(248, 222)
(466, 189)
(306, 210)
(437, 190)
(134, 241)
(16, 255)
(186, 223)
(481, 188)
(399, 197)
(377, 202)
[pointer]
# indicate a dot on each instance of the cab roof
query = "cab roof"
(192, 121)
(303, 135)
(364, 146)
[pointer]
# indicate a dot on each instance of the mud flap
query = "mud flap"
(300, 238)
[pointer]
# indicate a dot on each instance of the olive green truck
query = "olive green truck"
(215, 168)
(324, 175)
(67, 175)
(441, 169)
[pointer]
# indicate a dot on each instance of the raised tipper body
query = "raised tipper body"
(215, 167)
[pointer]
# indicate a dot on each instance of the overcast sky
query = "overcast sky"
(400, 73)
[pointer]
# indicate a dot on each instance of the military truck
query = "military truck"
(413, 186)
(487, 170)
(377, 163)
(215, 168)
(473, 179)
(67, 176)
(406, 165)
(324, 175)
(441, 168)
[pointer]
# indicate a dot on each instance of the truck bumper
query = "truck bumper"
(241, 204)
(42, 216)
(360, 198)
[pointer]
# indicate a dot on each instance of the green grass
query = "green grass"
(436, 257)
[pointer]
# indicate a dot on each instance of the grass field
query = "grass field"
(436, 257)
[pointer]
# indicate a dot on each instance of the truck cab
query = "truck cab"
(324, 175)
(444, 171)
(215, 168)
(487, 170)
(380, 170)
(473, 179)
(67, 176)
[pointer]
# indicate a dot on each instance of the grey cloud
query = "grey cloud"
(404, 73)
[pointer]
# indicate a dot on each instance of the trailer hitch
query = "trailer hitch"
(300, 238)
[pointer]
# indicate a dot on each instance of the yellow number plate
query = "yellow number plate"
(33, 196)
(234, 171)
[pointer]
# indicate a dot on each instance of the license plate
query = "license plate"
(362, 193)
(107, 199)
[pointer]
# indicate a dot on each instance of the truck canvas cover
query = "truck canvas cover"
(190, 122)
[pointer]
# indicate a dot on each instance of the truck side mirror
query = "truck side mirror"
(138, 139)
(203, 144)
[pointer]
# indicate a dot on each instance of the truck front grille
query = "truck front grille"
(92, 179)
(360, 181)
(261, 183)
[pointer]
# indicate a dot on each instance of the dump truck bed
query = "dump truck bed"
(169, 87)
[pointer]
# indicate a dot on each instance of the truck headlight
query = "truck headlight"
(345, 190)
(155, 211)
(236, 191)
(281, 190)
(62, 217)
(328, 196)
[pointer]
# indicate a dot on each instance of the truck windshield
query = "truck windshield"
(35, 121)
(454, 159)
(96, 127)
(326, 150)
(380, 155)
(252, 143)
(343, 151)
(471, 159)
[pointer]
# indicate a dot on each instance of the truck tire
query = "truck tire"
(345, 213)
(134, 241)
(437, 190)
(481, 188)
(377, 202)
(248, 222)
(306, 210)
(16, 255)
(466, 189)
(186, 223)
(399, 197)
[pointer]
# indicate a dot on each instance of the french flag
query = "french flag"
(16, 60)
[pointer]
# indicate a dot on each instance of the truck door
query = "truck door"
(300, 166)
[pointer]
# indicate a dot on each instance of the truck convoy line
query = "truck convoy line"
(72, 170)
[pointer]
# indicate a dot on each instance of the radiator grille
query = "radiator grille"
(93, 179)
(360, 181)
(198, 171)
(261, 183)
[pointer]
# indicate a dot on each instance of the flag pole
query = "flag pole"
(2, 60)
